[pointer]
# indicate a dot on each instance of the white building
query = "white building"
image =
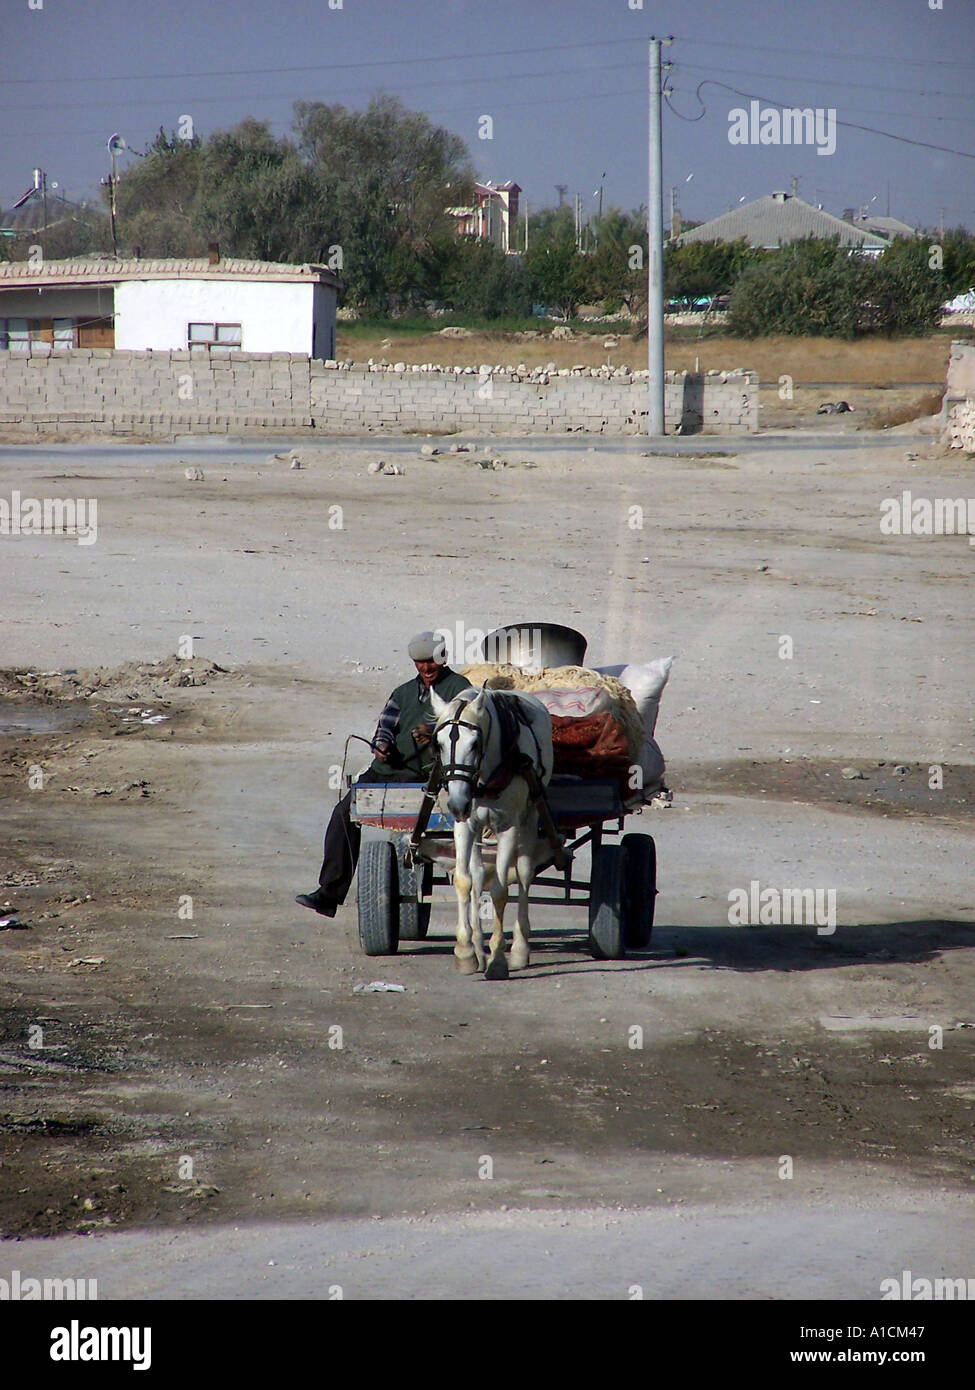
(493, 215)
(210, 305)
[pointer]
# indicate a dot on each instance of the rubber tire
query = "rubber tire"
(378, 899)
(606, 936)
(414, 915)
(639, 889)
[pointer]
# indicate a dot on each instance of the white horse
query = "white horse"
(482, 739)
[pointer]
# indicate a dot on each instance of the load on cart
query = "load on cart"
(604, 764)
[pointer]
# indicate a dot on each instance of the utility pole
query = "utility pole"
(655, 267)
(526, 226)
(115, 144)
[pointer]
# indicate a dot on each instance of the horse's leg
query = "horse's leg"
(476, 904)
(521, 935)
(497, 966)
(464, 955)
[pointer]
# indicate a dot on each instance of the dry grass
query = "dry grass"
(872, 363)
(928, 404)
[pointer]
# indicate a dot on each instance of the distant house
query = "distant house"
(777, 219)
(886, 227)
(38, 209)
(492, 216)
(206, 305)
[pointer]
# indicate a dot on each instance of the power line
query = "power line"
(114, 102)
(435, 58)
(826, 82)
(896, 58)
(849, 125)
(573, 97)
(327, 67)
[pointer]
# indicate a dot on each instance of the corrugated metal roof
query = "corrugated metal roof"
(84, 270)
(777, 219)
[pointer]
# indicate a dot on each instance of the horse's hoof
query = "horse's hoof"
(467, 965)
(497, 968)
(518, 962)
(481, 959)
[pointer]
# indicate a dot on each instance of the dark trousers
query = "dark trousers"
(343, 838)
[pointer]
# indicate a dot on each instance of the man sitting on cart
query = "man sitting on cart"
(401, 745)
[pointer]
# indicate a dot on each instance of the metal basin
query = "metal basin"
(532, 646)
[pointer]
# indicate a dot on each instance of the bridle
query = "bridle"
(470, 773)
(454, 770)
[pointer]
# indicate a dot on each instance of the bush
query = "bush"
(819, 287)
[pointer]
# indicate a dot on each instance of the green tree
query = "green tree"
(156, 196)
(385, 178)
(618, 264)
(703, 269)
(258, 197)
(807, 287)
(909, 291)
(958, 247)
(819, 287)
(475, 277)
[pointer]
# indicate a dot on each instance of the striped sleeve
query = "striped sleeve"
(385, 735)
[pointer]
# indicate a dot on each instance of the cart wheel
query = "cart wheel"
(414, 915)
(606, 936)
(378, 915)
(639, 888)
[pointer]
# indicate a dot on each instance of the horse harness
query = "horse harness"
(511, 715)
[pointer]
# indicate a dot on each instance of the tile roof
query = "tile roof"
(776, 219)
(105, 270)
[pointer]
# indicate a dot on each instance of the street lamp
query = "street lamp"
(115, 144)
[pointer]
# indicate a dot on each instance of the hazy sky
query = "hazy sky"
(564, 82)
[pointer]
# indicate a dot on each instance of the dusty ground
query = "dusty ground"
(158, 1068)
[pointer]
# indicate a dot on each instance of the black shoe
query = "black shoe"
(317, 901)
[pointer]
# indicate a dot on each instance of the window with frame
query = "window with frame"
(204, 337)
(17, 334)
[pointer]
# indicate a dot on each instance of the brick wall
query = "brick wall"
(158, 394)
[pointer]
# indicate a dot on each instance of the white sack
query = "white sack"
(645, 682)
(576, 704)
(652, 763)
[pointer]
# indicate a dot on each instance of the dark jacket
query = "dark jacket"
(408, 706)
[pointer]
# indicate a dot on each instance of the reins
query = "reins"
(511, 758)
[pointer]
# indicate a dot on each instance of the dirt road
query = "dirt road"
(170, 1050)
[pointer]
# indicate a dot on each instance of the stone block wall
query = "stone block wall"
(958, 407)
(159, 394)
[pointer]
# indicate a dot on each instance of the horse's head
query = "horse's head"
(459, 735)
